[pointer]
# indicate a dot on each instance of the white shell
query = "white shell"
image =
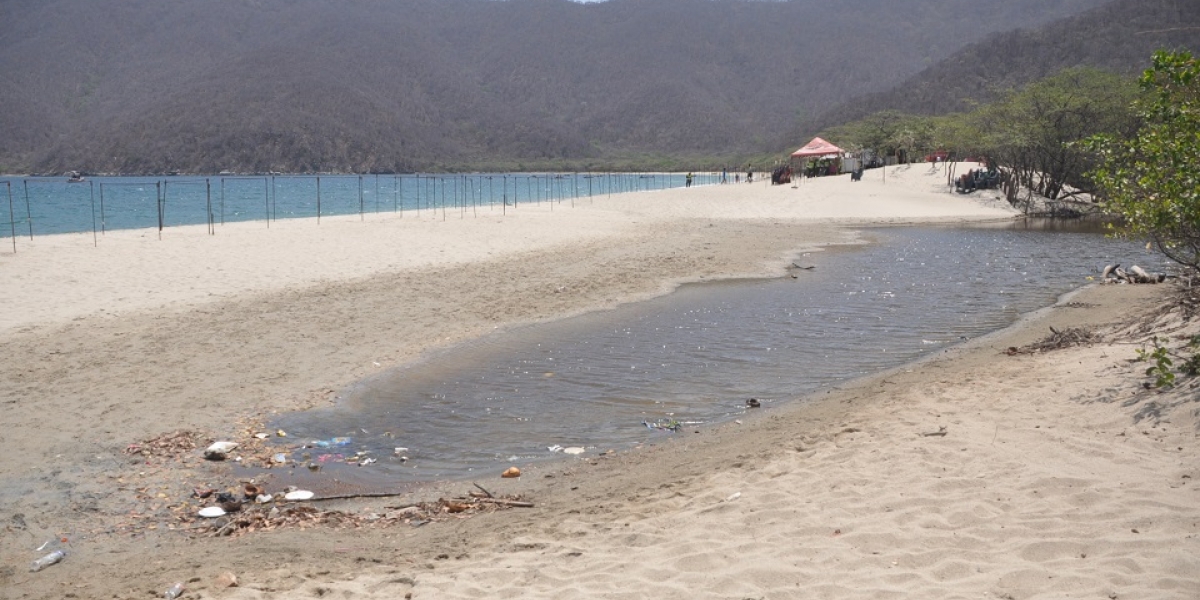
(573, 450)
(210, 512)
(298, 495)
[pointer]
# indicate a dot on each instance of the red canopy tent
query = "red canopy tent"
(819, 149)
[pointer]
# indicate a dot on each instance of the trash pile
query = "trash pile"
(255, 452)
(670, 425)
(303, 516)
(176, 472)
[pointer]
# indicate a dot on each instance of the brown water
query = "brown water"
(694, 357)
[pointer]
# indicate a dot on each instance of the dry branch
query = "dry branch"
(1057, 340)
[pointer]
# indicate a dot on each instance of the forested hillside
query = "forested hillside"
(1119, 37)
(397, 85)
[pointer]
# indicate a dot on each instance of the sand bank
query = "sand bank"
(1036, 488)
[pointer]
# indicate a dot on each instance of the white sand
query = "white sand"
(56, 278)
(1058, 476)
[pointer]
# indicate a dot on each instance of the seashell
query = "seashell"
(298, 495)
(511, 472)
(212, 512)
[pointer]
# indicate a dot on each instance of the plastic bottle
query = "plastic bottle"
(47, 560)
(174, 591)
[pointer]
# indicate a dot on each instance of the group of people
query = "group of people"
(737, 178)
(781, 175)
(977, 179)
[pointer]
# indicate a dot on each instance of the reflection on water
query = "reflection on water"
(696, 356)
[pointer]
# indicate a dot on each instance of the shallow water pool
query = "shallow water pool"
(624, 377)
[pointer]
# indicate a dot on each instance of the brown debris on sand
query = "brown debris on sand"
(263, 518)
(1057, 340)
(168, 445)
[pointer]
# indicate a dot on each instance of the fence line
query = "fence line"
(55, 205)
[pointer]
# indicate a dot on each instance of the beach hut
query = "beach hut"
(823, 154)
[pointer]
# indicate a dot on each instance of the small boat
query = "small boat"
(75, 177)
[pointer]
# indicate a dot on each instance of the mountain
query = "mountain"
(1119, 37)
(141, 86)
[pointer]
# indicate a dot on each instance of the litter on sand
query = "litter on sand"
(664, 425)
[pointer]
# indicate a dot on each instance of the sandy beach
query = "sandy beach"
(972, 474)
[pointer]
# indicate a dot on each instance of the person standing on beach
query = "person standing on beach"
(724, 176)
(687, 181)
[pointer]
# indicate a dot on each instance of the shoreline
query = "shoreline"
(213, 346)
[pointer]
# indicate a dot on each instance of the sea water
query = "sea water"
(33, 206)
(620, 378)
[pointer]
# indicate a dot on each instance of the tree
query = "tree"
(885, 133)
(1152, 179)
(1032, 133)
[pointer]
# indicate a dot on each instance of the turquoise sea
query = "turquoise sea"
(33, 206)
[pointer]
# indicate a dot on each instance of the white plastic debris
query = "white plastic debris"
(219, 450)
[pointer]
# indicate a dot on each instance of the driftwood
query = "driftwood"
(362, 495)
(1143, 276)
(1135, 274)
(941, 432)
(503, 502)
(489, 499)
(1065, 338)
